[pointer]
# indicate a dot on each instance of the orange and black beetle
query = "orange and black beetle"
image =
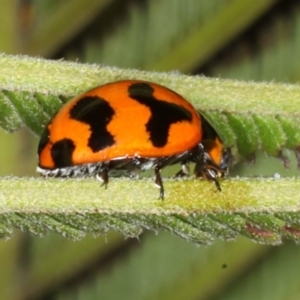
(130, 125)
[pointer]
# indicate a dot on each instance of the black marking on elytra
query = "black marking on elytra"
(163, 114)
(97, 113)
(209, 133)
(61, 153)
(44, 139)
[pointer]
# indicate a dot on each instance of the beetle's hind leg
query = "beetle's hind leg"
(158, 181)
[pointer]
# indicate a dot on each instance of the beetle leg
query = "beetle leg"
(158, 182)
(103, 176)
(207, 173)
(211, 175)
(204, 169)
(217, 184)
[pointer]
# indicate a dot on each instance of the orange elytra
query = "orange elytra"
(129, 125)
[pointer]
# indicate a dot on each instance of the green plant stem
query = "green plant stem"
(263, 209)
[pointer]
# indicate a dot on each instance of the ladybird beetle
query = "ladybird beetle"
(130, 125)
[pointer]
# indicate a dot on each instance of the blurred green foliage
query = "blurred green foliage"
(143, 34)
